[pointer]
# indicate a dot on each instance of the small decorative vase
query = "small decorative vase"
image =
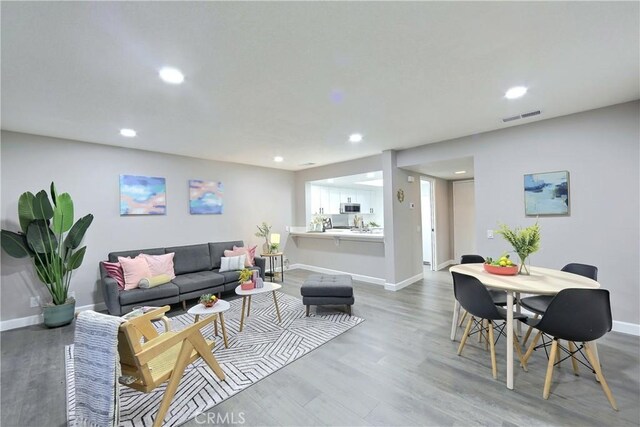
(266, 247)
(524, 269)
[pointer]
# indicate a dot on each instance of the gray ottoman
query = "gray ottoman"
(324, 289)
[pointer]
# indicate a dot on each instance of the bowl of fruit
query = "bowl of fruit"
(208, 300)
(503, 266)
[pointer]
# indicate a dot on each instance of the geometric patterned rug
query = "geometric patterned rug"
(263, 347)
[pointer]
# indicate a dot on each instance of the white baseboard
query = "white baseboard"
(626, 328)
(397, 286)
(358, 277)
(36, 319)
(445, 264)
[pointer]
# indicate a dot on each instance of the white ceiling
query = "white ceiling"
(296, 78)
(352, 181)
(446, 169)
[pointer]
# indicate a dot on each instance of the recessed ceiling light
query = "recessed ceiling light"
(355, 137)
(171, 75)
(515, 92)
(129, 133)
(278, 159)
(460, 172)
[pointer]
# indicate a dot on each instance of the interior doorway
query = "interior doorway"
(464, 218)
(427, 201)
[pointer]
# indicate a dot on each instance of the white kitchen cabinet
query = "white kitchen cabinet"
(334, 201)
(364, 198)
(320, 202)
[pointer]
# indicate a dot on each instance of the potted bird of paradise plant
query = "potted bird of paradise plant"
(51, 239)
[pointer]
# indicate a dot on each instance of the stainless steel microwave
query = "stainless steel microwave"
(348, 208)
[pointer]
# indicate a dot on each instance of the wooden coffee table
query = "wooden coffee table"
(219, 308)
(246, 296)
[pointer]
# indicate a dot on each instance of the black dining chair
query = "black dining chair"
(499, 297)
(538, 304)
(474, 297)
(577, 316)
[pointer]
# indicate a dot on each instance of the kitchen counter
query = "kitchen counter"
(339, 251)
(375, 236)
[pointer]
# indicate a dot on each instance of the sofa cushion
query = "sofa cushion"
(161, 264)
(324, 285)
(134, 269)
(114, 270)
(192, 258)
(217, 251)
(113, 256)
(199, 280)
(139, 295)
(250, 250)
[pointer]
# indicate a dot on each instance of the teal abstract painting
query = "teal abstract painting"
(205, 197)
(142, 195)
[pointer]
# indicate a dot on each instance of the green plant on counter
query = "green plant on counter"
(525, 241)
(274, 247)
(245, 275)
(49, 236)
(373, 224)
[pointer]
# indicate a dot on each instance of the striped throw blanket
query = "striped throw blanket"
(97, 368)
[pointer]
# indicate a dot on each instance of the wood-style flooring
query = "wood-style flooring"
(398, 367)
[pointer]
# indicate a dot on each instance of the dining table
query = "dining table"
(540, 281)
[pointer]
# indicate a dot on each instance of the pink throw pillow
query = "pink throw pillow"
(134, 270)
(161, 264)
(251, 253)
(114, 270)
(229, 254)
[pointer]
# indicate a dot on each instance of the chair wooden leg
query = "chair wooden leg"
(275, 302)
(574, 361)
(494, 367)
(204, 350)
(596, 367)
(174, 381)
(215, 327)
(465, 335)
(516, 345)
(482, 323)
(552, 360)
(528, 334)
(224, 331)
(527, 355)
(464, 316)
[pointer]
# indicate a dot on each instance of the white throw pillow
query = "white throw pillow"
(232, 263)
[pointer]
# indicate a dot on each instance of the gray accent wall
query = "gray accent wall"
(90, 173)
(600, 149)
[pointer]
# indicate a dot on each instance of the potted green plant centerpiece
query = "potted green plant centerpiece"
(244, 278)
(49, 236)
(525, 241)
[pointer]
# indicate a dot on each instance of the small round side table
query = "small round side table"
(219, 308)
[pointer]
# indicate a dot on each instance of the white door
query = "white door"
(428, 227)
(464, 219)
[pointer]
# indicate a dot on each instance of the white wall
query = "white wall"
(600, 149)
(90, 172)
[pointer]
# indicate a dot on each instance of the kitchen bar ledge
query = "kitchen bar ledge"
(338, 235)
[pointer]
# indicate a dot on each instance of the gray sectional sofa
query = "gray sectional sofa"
(197, 272)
